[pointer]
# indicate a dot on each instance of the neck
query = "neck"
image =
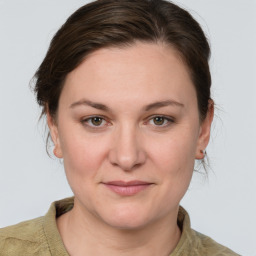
(85, 234)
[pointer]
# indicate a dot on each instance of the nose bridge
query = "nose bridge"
(127, 150)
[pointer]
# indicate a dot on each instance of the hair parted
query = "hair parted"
(121, 23)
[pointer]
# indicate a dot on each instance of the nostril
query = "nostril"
(127, 162)
(126, 151)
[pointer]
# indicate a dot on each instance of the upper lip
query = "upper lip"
(127, 183)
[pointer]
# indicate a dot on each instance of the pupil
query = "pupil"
(158, 120)
(97, 121)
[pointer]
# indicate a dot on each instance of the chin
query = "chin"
(127, 223)
(127, 218)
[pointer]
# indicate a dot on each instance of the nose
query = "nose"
(126, 150)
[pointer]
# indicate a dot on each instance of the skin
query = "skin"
(128, 143)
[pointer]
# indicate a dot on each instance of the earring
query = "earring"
(203, 153)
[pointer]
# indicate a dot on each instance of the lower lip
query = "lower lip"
(127, 190)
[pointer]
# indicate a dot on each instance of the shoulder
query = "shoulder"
(193, 243)
(26, 237)
(208, 247)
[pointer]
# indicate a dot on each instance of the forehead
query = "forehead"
(139, 72)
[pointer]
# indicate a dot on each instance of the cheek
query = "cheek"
(82, 154)
(83, 158)
(173, 157)
(176, 151)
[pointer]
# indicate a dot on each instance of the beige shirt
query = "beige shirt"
(40, 237)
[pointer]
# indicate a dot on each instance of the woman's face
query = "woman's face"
(128, 131)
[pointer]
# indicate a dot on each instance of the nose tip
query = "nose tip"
(127, 161)
(127, 153)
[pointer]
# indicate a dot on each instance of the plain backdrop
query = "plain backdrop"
(223, 207)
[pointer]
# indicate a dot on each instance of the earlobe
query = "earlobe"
(54, 135)
(200, 154)
(205, 131)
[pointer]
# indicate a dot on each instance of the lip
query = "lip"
(127, 188)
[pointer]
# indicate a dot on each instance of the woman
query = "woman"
(125, 87)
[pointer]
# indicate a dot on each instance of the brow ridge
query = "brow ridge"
(100, 106)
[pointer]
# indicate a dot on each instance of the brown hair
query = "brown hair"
(108, 23)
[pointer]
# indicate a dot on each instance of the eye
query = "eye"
(94, 121)
(160, 121)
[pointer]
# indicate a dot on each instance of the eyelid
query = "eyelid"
(85, 120)
(168, 118)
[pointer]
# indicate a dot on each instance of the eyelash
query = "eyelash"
(168, 121)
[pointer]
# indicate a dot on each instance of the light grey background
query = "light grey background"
(224, 207)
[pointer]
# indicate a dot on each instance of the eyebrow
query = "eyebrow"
(100, 106)
(164, 103)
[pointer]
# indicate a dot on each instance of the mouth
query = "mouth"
(129, 188)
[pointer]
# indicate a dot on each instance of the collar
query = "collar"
(56, 246)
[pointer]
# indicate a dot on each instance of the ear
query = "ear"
(54, 135)
(205, 130)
